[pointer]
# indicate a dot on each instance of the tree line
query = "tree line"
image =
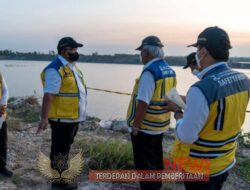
(235, 62)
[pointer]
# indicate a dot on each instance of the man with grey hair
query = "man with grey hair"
(147, 120)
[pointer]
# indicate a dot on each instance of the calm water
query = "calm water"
(23, 79)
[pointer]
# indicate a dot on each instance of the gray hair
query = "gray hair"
(155, 51)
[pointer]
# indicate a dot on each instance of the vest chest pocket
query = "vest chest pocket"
(67, 107)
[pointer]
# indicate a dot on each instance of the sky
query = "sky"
(118, 26)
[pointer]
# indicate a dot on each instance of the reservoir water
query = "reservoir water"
(23, 79)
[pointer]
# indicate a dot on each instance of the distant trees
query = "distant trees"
(236, 62)
(8, 54)
(52, 53)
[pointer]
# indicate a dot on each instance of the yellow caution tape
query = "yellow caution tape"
(109, 91)
(116, 92)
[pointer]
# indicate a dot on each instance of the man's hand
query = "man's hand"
(47, 101)
(43, 124)
(135, 130)
(171, 106)
(139, 116)
(2, 109)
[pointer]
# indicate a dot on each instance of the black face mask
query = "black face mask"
(73, 56)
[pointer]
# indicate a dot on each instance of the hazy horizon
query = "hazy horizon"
(112, 26)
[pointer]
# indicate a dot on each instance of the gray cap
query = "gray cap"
(152, 41)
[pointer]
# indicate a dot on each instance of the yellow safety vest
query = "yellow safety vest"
(156, 118)
(227, 94)
(66, 103)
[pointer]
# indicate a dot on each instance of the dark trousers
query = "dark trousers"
(148, 155)
(214, 183)
(3, 145)
(61, 139)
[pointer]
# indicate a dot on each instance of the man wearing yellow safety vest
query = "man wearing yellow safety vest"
(64, 102)
(4, 95)
(214, 114)
(146, 118)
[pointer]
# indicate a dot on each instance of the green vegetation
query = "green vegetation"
(244, 170)
(81, 143)
(27, 109)
(94, 58)
(28, 116)
(244, 140)
(31, 117)
(1, 178)
(16, 179)
(10, 55)
(111, 154)
(235, 62)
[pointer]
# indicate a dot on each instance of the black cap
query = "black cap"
(152, 41)
(213, 37)
(190, 60)
(67, 42)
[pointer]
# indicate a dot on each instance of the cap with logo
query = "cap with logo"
(68, 42)
(150, 40)
(213, 37)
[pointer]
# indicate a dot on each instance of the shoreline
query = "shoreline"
(103, 148)
(180, 62)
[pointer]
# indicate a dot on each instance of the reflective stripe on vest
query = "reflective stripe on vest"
(68, 94)
(207, 154)
(216, 144)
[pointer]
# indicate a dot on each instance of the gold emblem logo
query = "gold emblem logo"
(59, 174)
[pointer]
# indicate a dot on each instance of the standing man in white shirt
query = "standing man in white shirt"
(4, 95)
(215, 112)
(147, 120)
(64, 101)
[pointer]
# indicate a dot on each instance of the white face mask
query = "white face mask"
(195, 72)
(198, 61)
(140, 58)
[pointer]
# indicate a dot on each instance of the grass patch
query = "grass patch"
(11, 99)
(27, 109)
(16, 179)
(106, 154)
(28, 116)
(31, 117)
(244, 170)
(31, 100)
(244, 140)
(81, 143)
(91, 118)
(112, 155)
